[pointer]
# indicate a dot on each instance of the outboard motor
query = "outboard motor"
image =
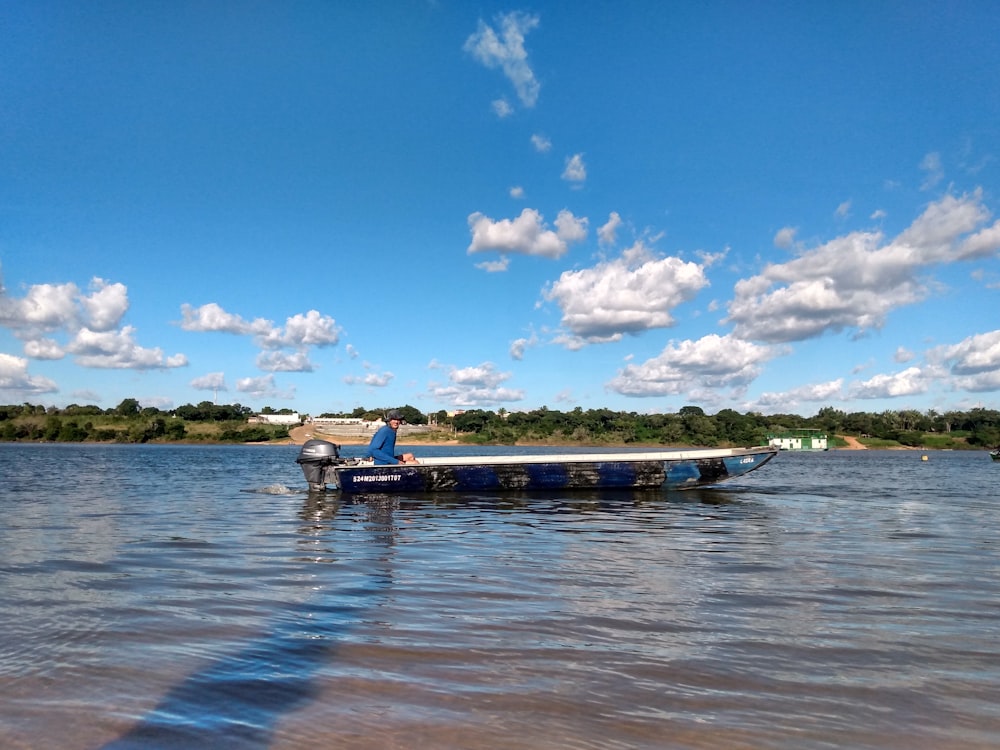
(317, 459)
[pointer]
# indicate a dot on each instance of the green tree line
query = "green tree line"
(691, 425)
(976, 428)
(129, 422)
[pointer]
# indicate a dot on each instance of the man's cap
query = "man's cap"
(394, 414)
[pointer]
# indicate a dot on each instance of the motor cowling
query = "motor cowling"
(317, 459)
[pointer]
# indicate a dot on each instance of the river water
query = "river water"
(198, 597)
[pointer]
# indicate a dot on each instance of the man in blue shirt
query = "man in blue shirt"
(383, 445)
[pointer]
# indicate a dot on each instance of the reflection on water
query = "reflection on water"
(828, 600)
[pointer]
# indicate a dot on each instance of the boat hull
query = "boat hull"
(674, 470)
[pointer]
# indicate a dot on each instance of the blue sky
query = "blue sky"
(772, 206)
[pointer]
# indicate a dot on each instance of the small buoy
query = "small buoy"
(923, 458)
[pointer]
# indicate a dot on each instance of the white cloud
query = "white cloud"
(106, 305)
(527, 234)
(854, 281)
(263, 387)
(502, 108)
(843, 210)
(902, 355)
(212, 381)
(44, 308)
(981, 244)
(87, 321)
(570, 228)
(370, 379)
(685, 367)
(278, 361)
(630, 294)
(576, 170)
(157, 402)
(118, 350)
(476, 386)
(495, 266)
(607, 234)
(505, 50)
(933, 170)
(785, 237)
(14, 377)
(974, 362)
(909, 382)
(311, 329)
(787, 401)
(541, 143)
(516, 192)
(50, 307)
(211, 317)
(300, 333)
(519, 346)
(44, 349)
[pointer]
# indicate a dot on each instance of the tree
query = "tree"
(129, 407)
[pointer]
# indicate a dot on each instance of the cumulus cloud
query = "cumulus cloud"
(541, 143)
(908, 382)
(629, 294)
(503, 47)
(43, 309)
(519, 346)
(502, 108)
(211, 317)
(685, 367)
(854, 281)
(608, 233)
(46, 308)
(278, 361)
(118, 350)
(54, 320)
(106, 305)
(263, 387)
(311, 329)
(212, 381)
(477, 386)
(495, 266)
(576, 170)
(527, 234)
(788, 401)
(516, 192)
(370, 379)
(15, 380)
(300, 333)
(974, 362)
(785, 237)
(44, 349)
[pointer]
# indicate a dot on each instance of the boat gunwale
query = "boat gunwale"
(669, 456)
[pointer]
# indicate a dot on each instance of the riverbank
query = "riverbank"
(298, 435)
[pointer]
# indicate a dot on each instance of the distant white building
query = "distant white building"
(804, 439)
(292, 418)
(337, 421)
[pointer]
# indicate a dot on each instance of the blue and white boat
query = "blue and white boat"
(323, 467)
